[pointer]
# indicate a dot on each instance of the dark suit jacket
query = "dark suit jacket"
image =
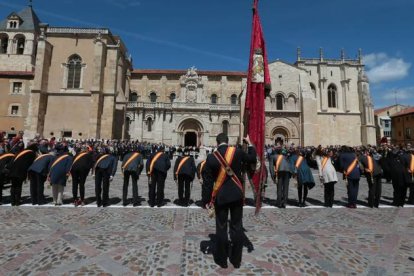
(377, 168)
(109, 163)
(5, 163)
(229, 191)
(345, 160)
(188, 168)
(41, 166)
(163, 163)
(134, 166)
(19, 167)
(84, 164)
(59, 173)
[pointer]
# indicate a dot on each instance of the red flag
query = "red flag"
(258, 84)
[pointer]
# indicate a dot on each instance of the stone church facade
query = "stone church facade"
(80, 83)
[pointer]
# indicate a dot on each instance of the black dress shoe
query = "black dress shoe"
(136, 204)
(220, 263)
(235, 265)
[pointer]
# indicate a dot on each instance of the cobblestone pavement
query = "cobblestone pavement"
(48, 240)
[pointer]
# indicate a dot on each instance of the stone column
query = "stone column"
(35, 119)
(96, 89)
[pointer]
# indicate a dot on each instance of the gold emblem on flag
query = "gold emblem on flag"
(258, 66)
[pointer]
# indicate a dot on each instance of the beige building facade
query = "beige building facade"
(61, 81)
(79, 83)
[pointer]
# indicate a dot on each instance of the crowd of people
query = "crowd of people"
(55, 161)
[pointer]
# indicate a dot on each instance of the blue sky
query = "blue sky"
(215, 34)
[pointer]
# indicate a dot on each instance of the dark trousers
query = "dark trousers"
(102, 186)
(1, 187)
(411, 186)
(282, 188)
(374, 190)
(134, 177)
(16, 190)
(302, 190)
(157, 184)
(353, 187)
(184, 188)
(78, 180)
(400, 194)
(236, 233)
(37, 187)
(329, 193)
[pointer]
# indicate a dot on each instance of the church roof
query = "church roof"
(286, 63)
(183, 72)
(404, 112)
(381, 110)
(30, 21)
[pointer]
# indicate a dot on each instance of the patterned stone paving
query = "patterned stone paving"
(48, 240)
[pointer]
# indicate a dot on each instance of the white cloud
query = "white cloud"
(406, 93)
(382, 68)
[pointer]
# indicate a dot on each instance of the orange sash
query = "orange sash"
(351, 167)
(181, 164)
(203, 163)
(156, 157)
(6, 155)
(58, 160)
(135, 155)
(79, 157)
(99, 160)
(21, 154)
(278, 162)
(370, 168)
(412, 165)
(228, 156)
(41, 156)
(324, 162)
(299, 162)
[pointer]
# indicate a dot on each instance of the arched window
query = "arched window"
(214, 99)
(233, 99)
(279, 101)
(153, 97)
(172, 97)
(4, 43)
(133, 97)
(74, 72)
(149, 124)
(226, 127)
(332, 96)
(20, 42)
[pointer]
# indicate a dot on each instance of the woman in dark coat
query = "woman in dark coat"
(304, 176)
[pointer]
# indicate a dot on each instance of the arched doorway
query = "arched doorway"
(190, 132)
(190, 139)
(280, 136)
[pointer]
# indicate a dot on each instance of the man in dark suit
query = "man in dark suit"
(408, 162)
(373, 173)
(81, 166)
(38, 172)
(132, 165)
(157, 167)
(227, 196)
(18, 172)
(349, 165)
(104, 172)
(184, 172)
(5, 161)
